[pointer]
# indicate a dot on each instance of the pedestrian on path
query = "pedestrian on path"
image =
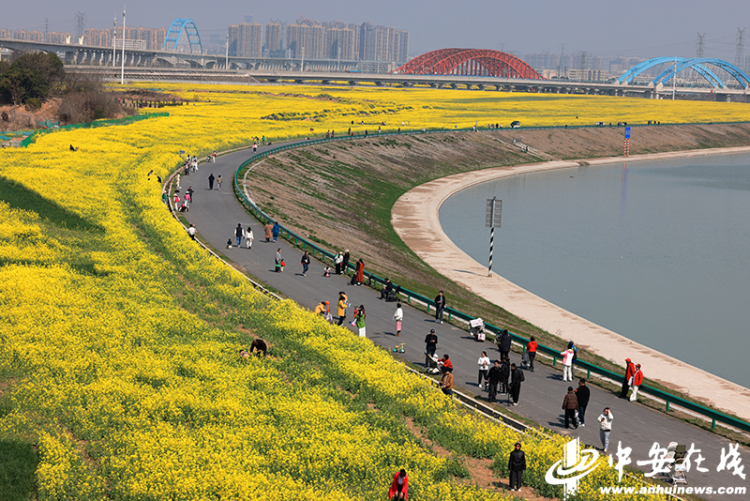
(189, 196)
(277, 261)
(268, 231)
(345, 262)
(637, 382)
(211, 181)
(398, 317)
(321, 308)
(629, 371)
(359, 319)
(255, 147)
(249, 237)
(484, 368)
(177, 179)
(218, 181)
(531, 349)
(337, 260)
(516, 465)
(400, 487)
(570, 406)
(503, 344)
(238, 232)
(305, 263)
(567, 359)
(359, 276)
(605, 427)
(516, 378)
(446, 383)
(583, 394)
(431, 341)
(494, 379)
(342, 305)
(504, 376)
(275, 231)
(439, 307)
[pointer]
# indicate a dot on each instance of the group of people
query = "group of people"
(212, 179)
(633, 379)
(181, 204)
(258, 346)
(243, 233)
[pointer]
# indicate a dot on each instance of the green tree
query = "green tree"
(32, 75)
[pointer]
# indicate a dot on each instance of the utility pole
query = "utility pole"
(114, 41)
(46, 29)
(303, 60)
(492, 220)
(122, 71)
(560, 66)
(226, 57)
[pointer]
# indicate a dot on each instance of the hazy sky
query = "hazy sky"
(608, 28)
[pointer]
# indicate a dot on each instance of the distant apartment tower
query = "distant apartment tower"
(382, 43)
(274, 40)
(308, 35)
(246, 40)
(340, 41)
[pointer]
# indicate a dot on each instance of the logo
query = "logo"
(574, 465)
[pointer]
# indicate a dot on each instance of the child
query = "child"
(282, 265)
(327, 271)
(229, 243)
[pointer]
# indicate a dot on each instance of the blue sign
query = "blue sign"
(627, 132)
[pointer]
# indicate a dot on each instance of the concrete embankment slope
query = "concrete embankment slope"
(415, 218)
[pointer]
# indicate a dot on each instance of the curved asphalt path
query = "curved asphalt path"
(216, 213)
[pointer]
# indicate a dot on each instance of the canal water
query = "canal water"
(658, 252)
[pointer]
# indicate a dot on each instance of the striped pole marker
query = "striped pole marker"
(492, 244)
(494, 211)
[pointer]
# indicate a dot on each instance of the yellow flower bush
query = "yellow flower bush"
(120, 336)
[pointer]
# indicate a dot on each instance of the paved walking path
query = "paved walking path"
(216, 213)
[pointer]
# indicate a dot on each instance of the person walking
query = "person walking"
(218, 181)
(337, 260)
(275, 231)
(494, 379)
(439, 307)
(531, 349)
(570, 406)
(400, 487)
(583, 394)
(516, 378)
(484, 369)
(359, 318)
(504, 376)
(398, 317)
(605, 427)
(190, 192)
(503, 344)
(268, 231)
(177, 181)
(446, 383)
(567, 359)
(359, 276)
(305, 263)
(431, 341)
(238, 232)
(211, 181)
(345, 261)
(637, 382)
(516, 465)
(341, 307)
(249, 237)
(629, 371)
(277, 261)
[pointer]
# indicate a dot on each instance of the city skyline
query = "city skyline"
(605, 29)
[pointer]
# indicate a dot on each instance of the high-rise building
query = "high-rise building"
(382, 43)
(246, 40)
(273, 39)
(306, 38)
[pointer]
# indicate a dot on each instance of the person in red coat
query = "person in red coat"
(400, 486)
(637, 382)
(629, 371)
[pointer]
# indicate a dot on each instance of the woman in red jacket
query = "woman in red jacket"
(400, 486)
(532, 347)
(637, 382)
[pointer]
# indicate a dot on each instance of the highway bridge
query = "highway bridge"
(152, 65)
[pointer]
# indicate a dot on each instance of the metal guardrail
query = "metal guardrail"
(373, 279)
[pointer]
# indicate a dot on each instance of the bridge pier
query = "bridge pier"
(722, 98)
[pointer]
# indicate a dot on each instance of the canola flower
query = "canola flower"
(120, 336)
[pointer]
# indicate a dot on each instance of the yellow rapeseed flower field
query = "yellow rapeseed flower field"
(120, 337)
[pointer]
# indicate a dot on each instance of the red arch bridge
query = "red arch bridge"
(470, 62)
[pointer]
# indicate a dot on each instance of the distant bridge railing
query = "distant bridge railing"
(374, 280)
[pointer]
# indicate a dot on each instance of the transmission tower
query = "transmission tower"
(80, 24)
(700, 45)
(740, 47)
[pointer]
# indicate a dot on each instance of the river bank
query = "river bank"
(415, 219)
(340, 195)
